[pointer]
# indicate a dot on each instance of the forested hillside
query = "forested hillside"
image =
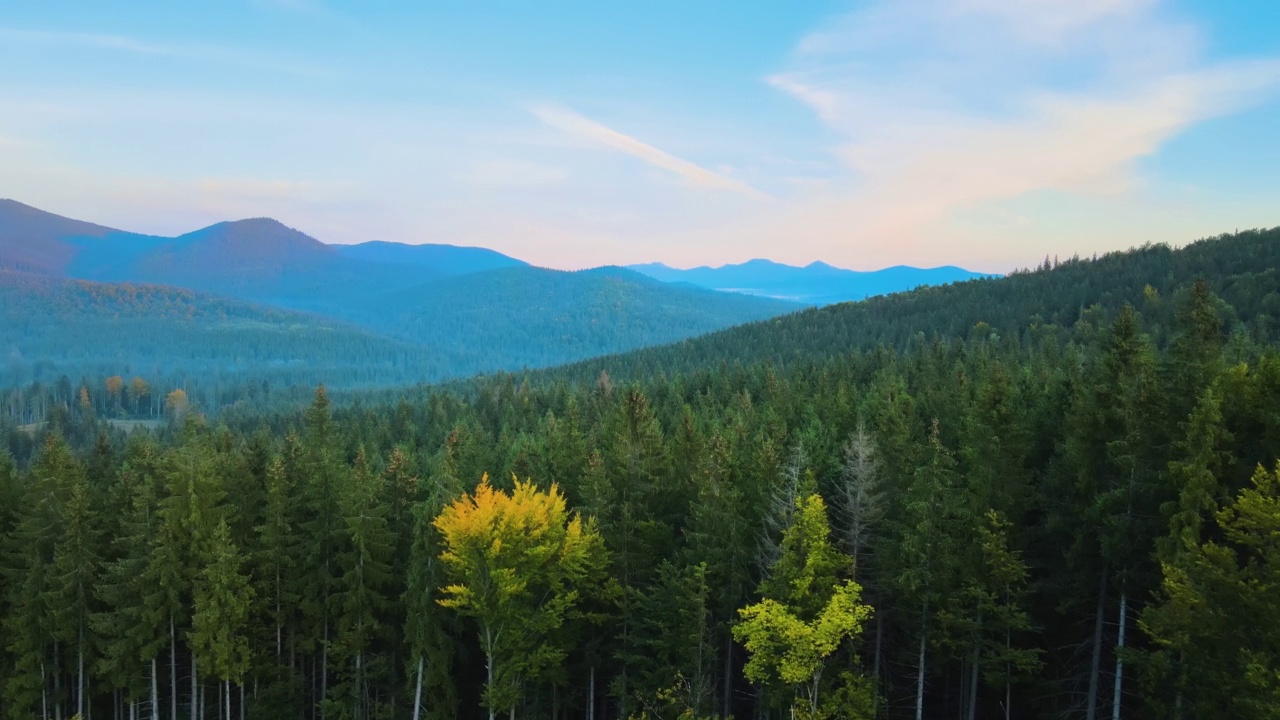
(534, 317)
(169, 337)
(1244, 269)
(453, 328)
(1052, 495)
(384, 314)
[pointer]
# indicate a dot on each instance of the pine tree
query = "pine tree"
(361, 599)
(427, 630)
(222, 605)
(277, 572)
(1225, 667)
(718, 538)
(1004, 615)
(676, 637)
(926, 547)
(29, 627)
(71, 579)
(859, 500)
(322, 531)
(131, 643)
(1200, 461)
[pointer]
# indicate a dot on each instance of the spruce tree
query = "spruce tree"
(222, 605)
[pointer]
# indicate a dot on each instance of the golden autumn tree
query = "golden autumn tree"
(176, 404)
(115, 389)
(138, 389)
(515, 563)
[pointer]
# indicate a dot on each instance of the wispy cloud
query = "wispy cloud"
(576, 125)
(941, 106)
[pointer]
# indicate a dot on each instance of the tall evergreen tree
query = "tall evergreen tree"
(222, 604)
(361, 601)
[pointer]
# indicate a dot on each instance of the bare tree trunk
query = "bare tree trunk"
(278, 633)
(1116, 696)
(973, 686)
(417, 692)
(80, 674)
(875, 663)
(591, 695)
(727, 690)
(1008, 680)
(1095, 667)
(924, 624)
(360, 690)
(173, 672)
(226, 697)
(488, 666)
(155, 692)
(195, 689)
(324, 668)
(57, 683)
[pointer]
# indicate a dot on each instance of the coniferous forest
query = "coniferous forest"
(1052, 495)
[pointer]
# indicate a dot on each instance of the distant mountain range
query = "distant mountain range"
(254, 294)
(255, 298)
(814, 284)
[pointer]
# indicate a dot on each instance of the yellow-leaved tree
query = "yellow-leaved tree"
(516, 563)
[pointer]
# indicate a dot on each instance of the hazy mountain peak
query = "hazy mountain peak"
(817, 283)
(255, 232)
(442, 258)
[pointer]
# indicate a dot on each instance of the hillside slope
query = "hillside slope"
(533, 317)
(468, 309)
(50, 327)
(1244, 269)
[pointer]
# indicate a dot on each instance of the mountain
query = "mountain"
(260, 260)
(378, 313)
(53, 326)
(1243, 269)
(441, 259)
(814, 284)
(38, 242)
(532, 317)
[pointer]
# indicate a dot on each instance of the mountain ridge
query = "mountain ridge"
(434, 313)
(818, 283)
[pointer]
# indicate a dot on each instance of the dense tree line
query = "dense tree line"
(50, 327)
(1012, 519)
(506, 319)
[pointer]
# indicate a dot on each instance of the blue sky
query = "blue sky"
(985, 133)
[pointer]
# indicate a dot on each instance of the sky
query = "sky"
(983, 133)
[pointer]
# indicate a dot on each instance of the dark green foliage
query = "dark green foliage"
(1009, 488)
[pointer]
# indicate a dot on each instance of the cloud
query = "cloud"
(943, 106)
(578, 126)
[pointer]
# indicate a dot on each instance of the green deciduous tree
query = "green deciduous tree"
(807, 611)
